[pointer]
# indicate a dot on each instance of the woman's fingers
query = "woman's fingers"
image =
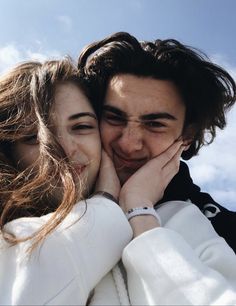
(172, 167)
(165, 157)
(171, 152)
(140, 188)
(107, 179)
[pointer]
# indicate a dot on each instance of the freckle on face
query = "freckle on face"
(137, 96)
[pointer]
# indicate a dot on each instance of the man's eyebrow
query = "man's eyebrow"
(79, 115)
(146, 117)
(114, 110)
(154, 116)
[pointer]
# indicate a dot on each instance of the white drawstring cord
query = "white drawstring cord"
(120, 286)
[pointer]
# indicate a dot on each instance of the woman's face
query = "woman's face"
(77, 131)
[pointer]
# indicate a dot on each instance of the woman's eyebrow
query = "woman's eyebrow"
(79, 115)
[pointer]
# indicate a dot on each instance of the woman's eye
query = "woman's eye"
(31, 139)
(82, 128)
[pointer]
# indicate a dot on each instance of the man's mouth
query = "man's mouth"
(132, 164)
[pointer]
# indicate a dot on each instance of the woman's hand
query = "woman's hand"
(108, 180)
(147, 185)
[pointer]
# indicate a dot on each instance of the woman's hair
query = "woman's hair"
(26, 108)
(208, 91)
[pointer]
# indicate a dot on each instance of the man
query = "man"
(151, 94)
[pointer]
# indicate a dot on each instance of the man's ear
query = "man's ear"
(188, 135)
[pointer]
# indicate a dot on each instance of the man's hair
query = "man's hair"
(27, 108)
(207, 90)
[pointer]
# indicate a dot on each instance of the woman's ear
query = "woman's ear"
(188, 136)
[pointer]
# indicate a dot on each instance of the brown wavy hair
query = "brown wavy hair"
(26, 107)
(208, 91)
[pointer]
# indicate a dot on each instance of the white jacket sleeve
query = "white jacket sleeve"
(183, 263)
(70, 262)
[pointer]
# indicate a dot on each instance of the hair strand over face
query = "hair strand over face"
(26, 106)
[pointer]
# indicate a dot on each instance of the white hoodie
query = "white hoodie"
(183, 262)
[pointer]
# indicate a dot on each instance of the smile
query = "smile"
(134, 164)
(79, 168)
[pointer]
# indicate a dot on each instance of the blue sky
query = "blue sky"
(41, 29)
(67, 25)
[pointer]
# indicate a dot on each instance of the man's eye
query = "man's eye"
(154, 124)
(114, 120)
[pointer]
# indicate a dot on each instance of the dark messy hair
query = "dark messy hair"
(208, 91)
(26, 109)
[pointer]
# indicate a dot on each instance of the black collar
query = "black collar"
(182, 188)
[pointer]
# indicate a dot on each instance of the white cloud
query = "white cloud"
(204, 172)
(36, 56)
(42, 56)
(65, 21)
(227, 196)
(10, 55)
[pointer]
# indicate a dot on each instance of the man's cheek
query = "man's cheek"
(106, 147)
(106, 143)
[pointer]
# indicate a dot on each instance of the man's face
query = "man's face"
(142, 118)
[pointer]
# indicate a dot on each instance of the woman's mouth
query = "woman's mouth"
(79, 168)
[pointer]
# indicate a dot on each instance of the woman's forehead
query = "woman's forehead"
(69, 99)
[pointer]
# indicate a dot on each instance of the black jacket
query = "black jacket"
(182, 188)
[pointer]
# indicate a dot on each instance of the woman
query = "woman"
(57, 248)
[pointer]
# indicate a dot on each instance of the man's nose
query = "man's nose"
(131, 139)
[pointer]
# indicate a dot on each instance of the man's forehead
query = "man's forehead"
(123, 82)
(129, 95)
(118, 80)
(119, 86)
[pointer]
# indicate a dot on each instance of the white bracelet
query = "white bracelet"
(139, 211)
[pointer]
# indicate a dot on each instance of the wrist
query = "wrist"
(143, 223)
(142, 219)
(128, 202)
(142, 211)
(106, 195)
